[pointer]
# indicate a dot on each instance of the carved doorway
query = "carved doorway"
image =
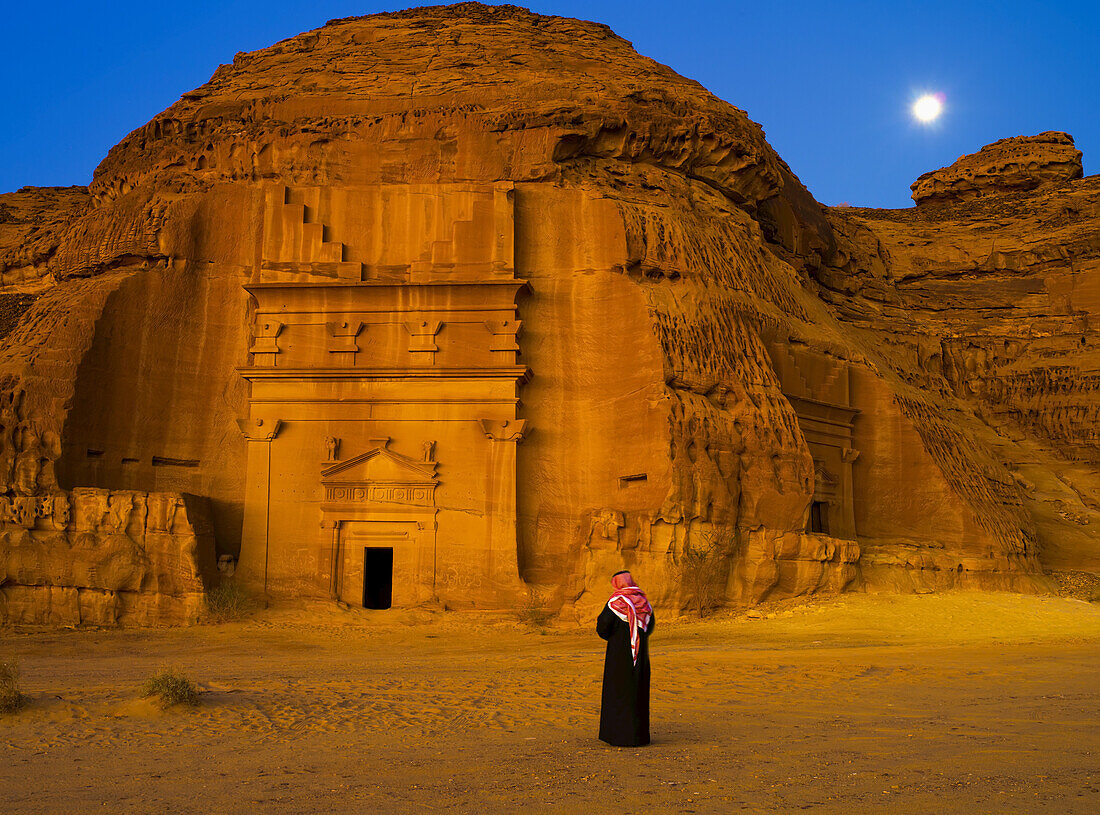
(378, 564)
(381, 500)
(377, 577)
(819, 517)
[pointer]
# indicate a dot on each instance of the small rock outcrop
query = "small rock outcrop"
(1007, 165)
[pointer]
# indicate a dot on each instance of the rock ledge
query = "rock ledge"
(1007, 165)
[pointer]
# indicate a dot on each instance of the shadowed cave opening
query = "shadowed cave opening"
(819, 517)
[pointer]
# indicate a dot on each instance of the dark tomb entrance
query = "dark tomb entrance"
(819, 517)
(377, 577)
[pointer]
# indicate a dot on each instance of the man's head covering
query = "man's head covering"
(629, 604)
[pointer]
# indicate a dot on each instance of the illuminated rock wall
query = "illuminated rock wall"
(392, 299)
(100, 557)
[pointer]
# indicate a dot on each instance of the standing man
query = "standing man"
(626, 623)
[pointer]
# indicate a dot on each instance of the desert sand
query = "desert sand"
(955, 702)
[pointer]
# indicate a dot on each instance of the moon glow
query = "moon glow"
(928, 108)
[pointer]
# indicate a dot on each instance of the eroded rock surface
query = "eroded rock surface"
(985, 315)
(464, 304)
(1007, 165)
(100, 557)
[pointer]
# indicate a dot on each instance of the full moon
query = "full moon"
(928, 107)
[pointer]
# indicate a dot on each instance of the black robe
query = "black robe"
(624, 711)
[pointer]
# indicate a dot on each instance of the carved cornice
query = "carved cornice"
(514, 283)
(822, 411)
(516, 372)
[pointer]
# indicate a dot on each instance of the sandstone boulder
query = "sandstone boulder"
(1007, 165)
(100, 557)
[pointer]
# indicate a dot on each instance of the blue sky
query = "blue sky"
(831, 82)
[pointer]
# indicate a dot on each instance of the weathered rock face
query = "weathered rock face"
(984, 317)
(1007, 165)
(454, 304)
(99, 557)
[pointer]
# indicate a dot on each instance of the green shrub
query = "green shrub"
(10, 697)
(228, 602)
(172, 688)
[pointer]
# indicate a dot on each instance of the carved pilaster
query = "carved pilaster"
(265, 344)
(422, 340)
(500, 492)
(342, 340)
(256, 530)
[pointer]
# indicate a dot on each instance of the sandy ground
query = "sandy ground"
(963, 703)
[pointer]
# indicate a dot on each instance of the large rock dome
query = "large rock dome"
(515, 92)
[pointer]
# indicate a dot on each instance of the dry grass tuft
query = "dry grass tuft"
(172, 688)
(535, 612)
(228, 602)
(10, 697)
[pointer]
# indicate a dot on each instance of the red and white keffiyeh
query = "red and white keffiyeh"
(629, 604)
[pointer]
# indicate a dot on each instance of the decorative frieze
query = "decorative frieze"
(416, 494)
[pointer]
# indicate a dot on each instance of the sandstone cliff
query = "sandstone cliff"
(985, 312)
(712, 367)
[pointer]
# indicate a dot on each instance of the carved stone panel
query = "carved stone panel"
(377, 477)
(265, 343)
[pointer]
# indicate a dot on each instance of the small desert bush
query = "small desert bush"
(10, 697)
(703, 566)
(227, 602)
(172, 688)
(535, 612)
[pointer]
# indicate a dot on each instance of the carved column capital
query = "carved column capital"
(265, 342)
(503, 334)
(343, 335)
(422, 339)
(259, 429)
(504, 429)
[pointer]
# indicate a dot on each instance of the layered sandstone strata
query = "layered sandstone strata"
(1008, 165)
(456, 304)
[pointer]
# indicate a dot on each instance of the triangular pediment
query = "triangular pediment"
(380, 465)
(824, 476)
